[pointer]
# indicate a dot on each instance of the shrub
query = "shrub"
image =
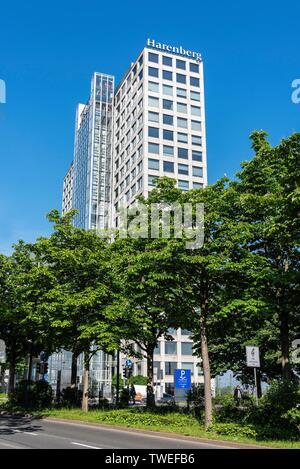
(278, 400)
(292, 416)
(234, 430)
(71, 397)
(40, 394)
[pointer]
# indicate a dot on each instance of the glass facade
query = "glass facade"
(93, 156)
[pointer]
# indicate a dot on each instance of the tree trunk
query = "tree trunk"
(150, 391)
(12, 373)
(74, 370)
(284, 342)
(206, 372)
(85, 395)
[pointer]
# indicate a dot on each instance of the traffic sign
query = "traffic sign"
(252, 354)
(128, 363)
(182, 379)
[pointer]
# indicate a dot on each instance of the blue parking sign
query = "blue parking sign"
(182, 379)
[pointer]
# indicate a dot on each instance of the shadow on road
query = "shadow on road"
(9, 424)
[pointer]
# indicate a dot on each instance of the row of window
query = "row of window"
(181, 138)
(169, 167)
(181, 64)
(171, 348)
(181, 152)
(168, 90)
(168, 368)
(181, 123)
(182, 184)
(169, 105)
(168, 75)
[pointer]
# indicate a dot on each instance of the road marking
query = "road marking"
(86, 446)
(24, 431)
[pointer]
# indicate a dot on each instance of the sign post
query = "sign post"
(253, 361)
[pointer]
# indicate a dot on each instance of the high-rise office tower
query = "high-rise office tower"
(154, 126)
(93, 155)
(159, 123)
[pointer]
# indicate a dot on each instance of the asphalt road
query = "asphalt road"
(28, 433)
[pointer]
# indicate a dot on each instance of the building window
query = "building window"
(152, 57)
(153, 116)
(167, 104)
(153, 148)
(168, 90)
(197, 155)
(196, 125)
(182, 122)
(153, 132)
(167, 134)
(167, 75)
(151, 180)
(188, 366)
(196, 111)
(168, 167)
(194, 67)
(183, 153)
(168, 151)
(186, 348)
(181, 93)
(153, 102)
(183, 169)
(182, 108)
(170, 368)
(194, 81)
(197, 185)
(157, 348)
(196, 140)
(182, 138)
(171, 348)
(157, 366)
(167, 61)
(152, 86)
(167, 119)
(180, 64)
(153, 164)
(183, 185)
(195, 96)
(153, 72)
(186, 332)
(180, 78)
(197, 171)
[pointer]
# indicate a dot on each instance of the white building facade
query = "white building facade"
(67, 200)
(159, 125)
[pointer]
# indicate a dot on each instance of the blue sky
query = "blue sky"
(48, 52)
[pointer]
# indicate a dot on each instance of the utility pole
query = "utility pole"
(118, 379)
(27, 383)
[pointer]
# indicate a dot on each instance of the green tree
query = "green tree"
(79, 306)
(266, 311)
(150, 284)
